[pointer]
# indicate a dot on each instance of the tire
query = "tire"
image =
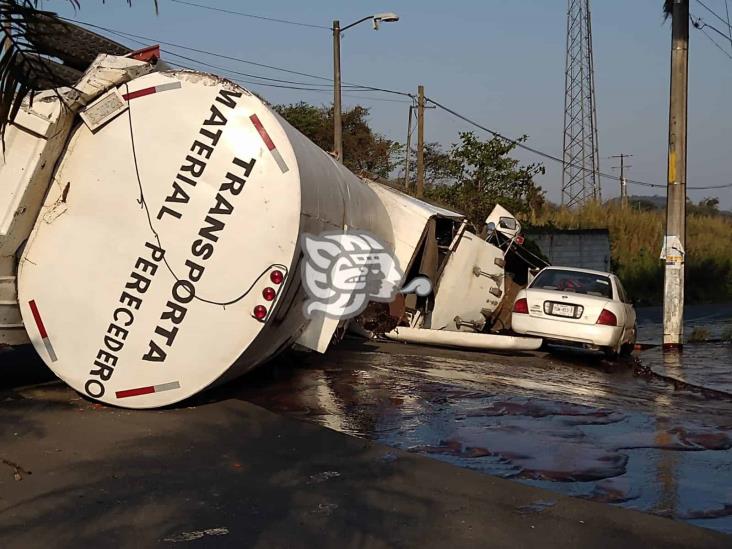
(611, 353)
(77, 47)
(627, 348)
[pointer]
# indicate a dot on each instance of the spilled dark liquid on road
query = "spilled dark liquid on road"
(575, 424)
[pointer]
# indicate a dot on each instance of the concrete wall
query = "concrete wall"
(586, 248)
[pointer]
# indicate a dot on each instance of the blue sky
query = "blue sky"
(500, 62)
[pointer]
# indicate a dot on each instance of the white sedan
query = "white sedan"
(577, 307)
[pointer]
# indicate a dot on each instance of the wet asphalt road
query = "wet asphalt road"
(652, 433)
(227, 473)
(621, 433)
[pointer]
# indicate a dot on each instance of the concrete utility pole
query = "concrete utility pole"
(409, 148)
(420, 141)
(623, 181)
(675, 240)
(337, 124)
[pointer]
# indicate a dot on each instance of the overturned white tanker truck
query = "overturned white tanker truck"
(150, 229)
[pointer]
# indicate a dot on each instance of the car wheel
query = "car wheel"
(627, 348)
(611, 353)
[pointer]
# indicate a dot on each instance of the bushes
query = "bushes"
(636, 238)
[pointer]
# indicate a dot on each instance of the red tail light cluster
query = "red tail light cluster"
(521, 306)
(268, 294)
(260, 311)
(607, 318)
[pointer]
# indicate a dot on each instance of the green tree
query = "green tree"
(477, 174)
(706, 206)
(364, 151)
(710, 204)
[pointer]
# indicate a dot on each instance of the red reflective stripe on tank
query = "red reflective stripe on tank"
(37, 318)
(148, 390)
(153, 89)
(262, 132)
(138, 93)
(135, 392)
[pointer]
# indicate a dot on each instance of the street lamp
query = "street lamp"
(387, 17)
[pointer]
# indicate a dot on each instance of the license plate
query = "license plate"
(562, 310)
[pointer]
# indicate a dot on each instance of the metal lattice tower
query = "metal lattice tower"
(580, 176)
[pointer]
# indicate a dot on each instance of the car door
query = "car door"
(627, 306)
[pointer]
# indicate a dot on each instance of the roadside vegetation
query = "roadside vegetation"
(636, 234)
(365, 151)
(474, 174)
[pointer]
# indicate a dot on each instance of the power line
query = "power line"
(225, 69)
(305, 85)
(188, 48)
(710, 10)
(360, 87)
(260, 17)
(548, 156)
(237, 59)
(712, 40)
(700, 24)
(300, 86)
(284, 86)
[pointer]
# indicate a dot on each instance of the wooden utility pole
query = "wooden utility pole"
(408, 154)
(623, 181)
(420, 141)
(337, 124)
(675, 240)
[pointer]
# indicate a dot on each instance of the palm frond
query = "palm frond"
(29, 37)
(668, 8)
(19, 62)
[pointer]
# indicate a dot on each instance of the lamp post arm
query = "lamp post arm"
(357, 22)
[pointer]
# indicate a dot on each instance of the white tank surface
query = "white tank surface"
(165, 256)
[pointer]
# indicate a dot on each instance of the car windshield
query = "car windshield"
(573, 281)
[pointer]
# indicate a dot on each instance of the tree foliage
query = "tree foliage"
(476, 174)
(364, 151)
(707, 206)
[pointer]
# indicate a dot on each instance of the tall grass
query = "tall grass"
(636, 238)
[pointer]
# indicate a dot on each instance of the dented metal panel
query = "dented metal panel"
(471, 284)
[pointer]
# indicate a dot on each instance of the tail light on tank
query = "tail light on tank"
(260, 312)
(276, 277)
(268, 294)
(607, 318)
(521, 306)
